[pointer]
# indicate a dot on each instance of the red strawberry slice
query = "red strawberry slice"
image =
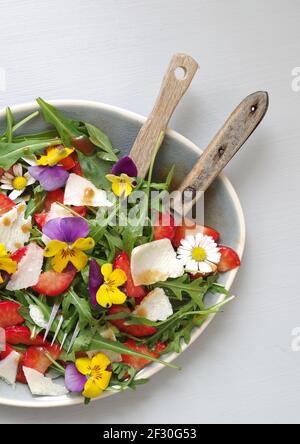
(68, 163)
(229, 259)
(77, 169)
(81, 211)
(139, 363)
(40, 219)
(52, 283)
(6, 204)
(123, 263)
(134, 330)
(6, 352)
(52, 197)
(19, 254)
(35, 357)
(20, 335)
(9, 314)
(190, 228)
(164, 227)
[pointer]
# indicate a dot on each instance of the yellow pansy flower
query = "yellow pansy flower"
(54, 155)
(109, 292)
(63, 253)
(121, 185)
(6, 263)
(98, 377)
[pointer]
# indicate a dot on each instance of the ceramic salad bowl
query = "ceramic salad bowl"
(222, 208)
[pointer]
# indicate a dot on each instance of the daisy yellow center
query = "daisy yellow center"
(19, 183)
(199, 254)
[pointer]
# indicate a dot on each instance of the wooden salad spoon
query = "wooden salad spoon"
(173, 88)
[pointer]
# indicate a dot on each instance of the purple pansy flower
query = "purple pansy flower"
(125, 166)
(74, 380)
(50, 178)
(66, 229)
(95, 281)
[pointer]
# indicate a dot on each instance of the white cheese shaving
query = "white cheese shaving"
(14, 228)
(37, 316)
(40, 385)
(29, 269)
(155, 262)
(80, 191)
(9, 368)
(155, 306)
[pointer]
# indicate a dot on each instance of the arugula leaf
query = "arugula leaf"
(86, 342)
(82, 307)
(101, 140)
(183, 286)
(65, 127)
(95, 169)
(9, 125)
(10, 153)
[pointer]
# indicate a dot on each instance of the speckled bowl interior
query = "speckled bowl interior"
(222, 207)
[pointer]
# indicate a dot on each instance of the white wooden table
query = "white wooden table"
(243, 368)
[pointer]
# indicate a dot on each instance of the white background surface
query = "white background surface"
(242, 369)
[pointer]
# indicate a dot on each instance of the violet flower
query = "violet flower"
(125, 166)
(50, 178)
(95, 281)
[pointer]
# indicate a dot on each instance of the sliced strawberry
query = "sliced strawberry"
(229, 259)
(123, 263)
(81, 211)
(35, 357)
(20, 335)
(6, 352)
(19, 254)
(52, 197)
(2, 171)
(20, 373)
(52, 283)
(6, 204)
(77, 169)
(134, 330)
(40, 219)
(9, 314)
(190, 228)
(164, 227)
(139, 363)
(68, 163)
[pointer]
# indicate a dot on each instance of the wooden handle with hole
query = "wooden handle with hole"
(232, 136)
(172, 89)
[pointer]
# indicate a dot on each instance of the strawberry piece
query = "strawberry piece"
(2, 171)
(19, 254)
(68, 163)
(6, 352)
(52, 197)
(164, 227)
(20, 374)
(52, 283)
(229, 259)
(77, 169)
(139, 363)
(40, 219)
(35, 357)
(6, 204)
(134, 330)
(9, 314)
(22, 336)
(81, 211)
(190, 228)
(123, 263)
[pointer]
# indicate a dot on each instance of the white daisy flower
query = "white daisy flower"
(199, 254)
(16, 180)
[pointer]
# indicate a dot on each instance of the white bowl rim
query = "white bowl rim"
(150, 371)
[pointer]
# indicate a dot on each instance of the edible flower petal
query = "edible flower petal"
(121, 185)
(109, 293)
(67, 242)
(54, 155)
(199, 254)
(95, 281)
(50, 178)
(6, 263)
(89, 375)
(125, 166)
